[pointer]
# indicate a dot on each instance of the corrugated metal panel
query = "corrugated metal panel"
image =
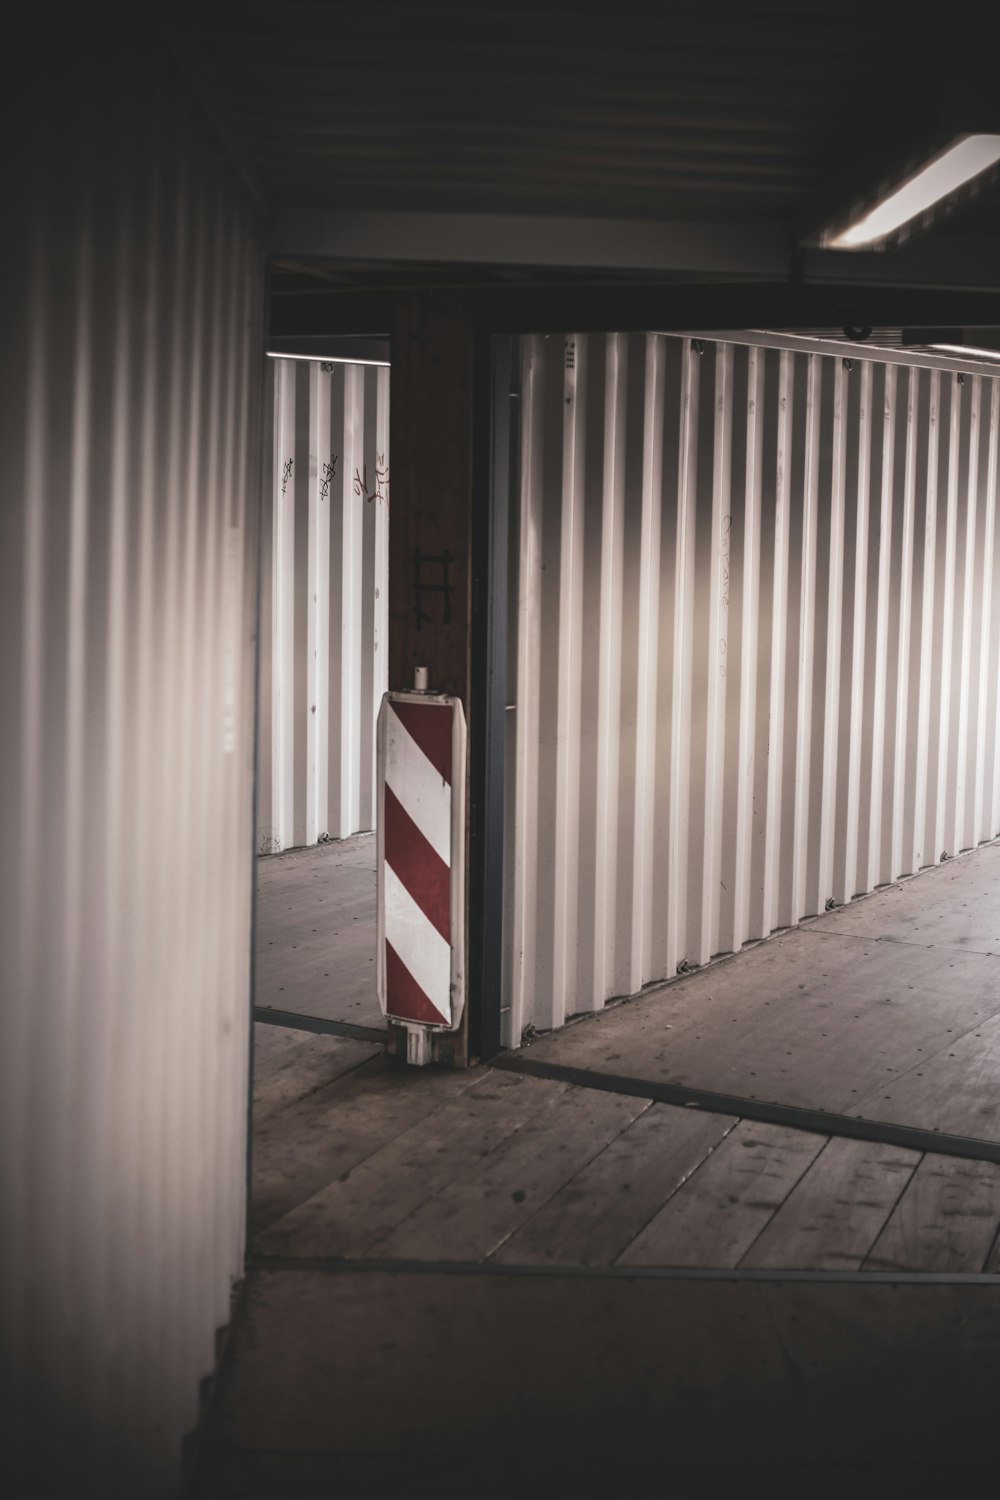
(127, 594)
(324, 658)
(756, 647)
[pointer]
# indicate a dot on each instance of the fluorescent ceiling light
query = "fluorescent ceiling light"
(964, 159)
(329, 359)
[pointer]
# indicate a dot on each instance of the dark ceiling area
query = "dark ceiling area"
(753, 122)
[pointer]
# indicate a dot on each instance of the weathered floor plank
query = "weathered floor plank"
(832, 1218)
(946, 1220)
(816, 1022)
(302, 1148)
(955, 905)
(954, 1088)
(287, 1065)
(719, 1212)
(348, 1216)
(315, 932)
(599, 1212)
(473, 1216)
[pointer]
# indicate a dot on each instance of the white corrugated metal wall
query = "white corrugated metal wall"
(756, 622)
(132, 367)
(324, 619)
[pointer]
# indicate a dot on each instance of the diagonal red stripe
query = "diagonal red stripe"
(417, 864)
(429, 724)
(405, 998)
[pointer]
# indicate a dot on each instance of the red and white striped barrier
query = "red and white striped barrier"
(421, 859)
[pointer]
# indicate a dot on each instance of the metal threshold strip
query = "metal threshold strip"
(819, 1121)
(334, 1267)
(295, 1021)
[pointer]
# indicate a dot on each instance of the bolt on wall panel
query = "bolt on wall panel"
(754, 642)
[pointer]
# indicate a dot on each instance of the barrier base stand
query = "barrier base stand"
(418, 1046)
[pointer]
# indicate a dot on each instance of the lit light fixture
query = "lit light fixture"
(329, 359)
(967, 157)
(968, 350)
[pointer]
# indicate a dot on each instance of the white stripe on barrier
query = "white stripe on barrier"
(419, 787)
(417, 942)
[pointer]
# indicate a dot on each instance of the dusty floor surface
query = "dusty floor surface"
(476, 1272)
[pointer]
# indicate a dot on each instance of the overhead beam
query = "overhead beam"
(753, 248)
(625, 307)
(967, 263)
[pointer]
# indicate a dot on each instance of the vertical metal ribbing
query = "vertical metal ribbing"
(317, 706)
(300, 484)
(987, 748)
(851, 884)
(265, 584)
(283, 609)
(706, 935)
(570, 628)
(351, 558)
(680, 717)
(920, 854)
(964, 786)
(794, 906)
(368, 507)
(876, 860)
(529, 647)
(900, 862)
(324, 608)
(748, 799)
(750, 605)
(648, 654)
(125, 958)
(834, 629)
(380, 585)
(944, 824)
(980, 623)
(609, 665)
(779, 627)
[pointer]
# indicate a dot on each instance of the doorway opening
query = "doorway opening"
(324, 623)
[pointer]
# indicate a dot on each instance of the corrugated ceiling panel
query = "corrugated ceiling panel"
(324, 602)
(756, 652)
(127, 576)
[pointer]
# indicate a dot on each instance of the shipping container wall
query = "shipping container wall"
(755, 673)
(324, 620)
(132, 368)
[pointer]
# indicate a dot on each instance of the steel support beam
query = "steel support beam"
(746, 248)
(604, 306)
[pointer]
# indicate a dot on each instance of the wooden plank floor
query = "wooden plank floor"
(315, 940)
(373, 1161)
(888, 1010)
